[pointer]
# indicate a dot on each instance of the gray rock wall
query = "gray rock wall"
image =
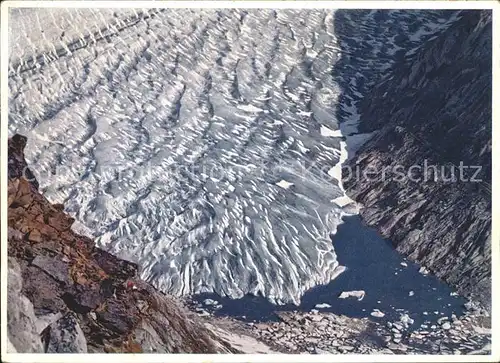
(434, 109)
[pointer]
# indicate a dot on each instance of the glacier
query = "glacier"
(204, 144)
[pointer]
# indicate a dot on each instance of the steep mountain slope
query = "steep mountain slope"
(77, 297)
(433, 109)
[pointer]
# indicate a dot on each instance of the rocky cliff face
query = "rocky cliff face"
(434, 109)
(66, 295)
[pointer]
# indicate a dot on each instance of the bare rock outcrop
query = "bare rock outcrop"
(66, 336)
(21, 319)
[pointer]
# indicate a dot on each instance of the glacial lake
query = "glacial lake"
(392, 284)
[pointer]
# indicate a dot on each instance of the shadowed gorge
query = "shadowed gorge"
(437, 109)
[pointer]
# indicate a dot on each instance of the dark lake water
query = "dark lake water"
(372, 265)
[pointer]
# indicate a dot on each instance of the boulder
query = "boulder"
(446, 326)
(21, 320)
(66, 336)
(55, 267)
(43, 321)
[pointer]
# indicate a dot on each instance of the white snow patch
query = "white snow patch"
(342, 201)
(284, 184)
(249, 108)
(311, 53)
(325, 131)
(336, 171)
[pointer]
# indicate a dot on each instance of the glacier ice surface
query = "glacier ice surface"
(166, 133)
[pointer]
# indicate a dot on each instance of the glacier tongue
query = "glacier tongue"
(167, 133)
